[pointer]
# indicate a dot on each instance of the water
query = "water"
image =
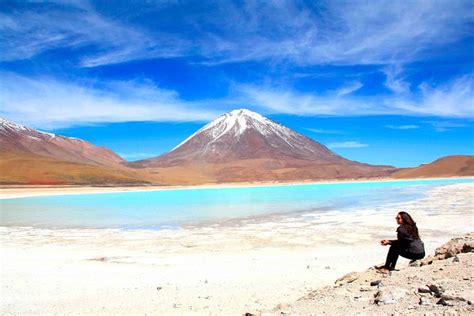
(172, 208)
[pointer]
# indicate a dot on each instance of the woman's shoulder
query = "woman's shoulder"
(402, 229)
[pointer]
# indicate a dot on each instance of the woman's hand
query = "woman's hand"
(385, 242)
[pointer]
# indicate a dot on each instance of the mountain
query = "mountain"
(28, 156)
(449, 166)
(31, 169)
(246, 146)
(19, 138)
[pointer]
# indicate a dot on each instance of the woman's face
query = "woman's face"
(399, 219)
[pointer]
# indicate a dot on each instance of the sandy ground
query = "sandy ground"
(217, 268)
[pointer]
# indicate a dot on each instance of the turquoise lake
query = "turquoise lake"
(173, 208)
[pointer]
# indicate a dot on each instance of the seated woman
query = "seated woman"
(407, 244)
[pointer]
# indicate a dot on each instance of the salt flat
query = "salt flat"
(226, 267)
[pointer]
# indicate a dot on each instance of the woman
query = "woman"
(407, 245)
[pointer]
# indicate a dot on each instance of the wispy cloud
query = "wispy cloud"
(383, 32)
(348, 144)
(451, 99)
(48, 103)
(402, 126)
(443, 126)
(324, 131)
(395, 81)
(348, 89)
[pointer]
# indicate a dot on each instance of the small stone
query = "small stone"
(435, 290)
(307, 267)
(456, 259)
(375, 283)
(425, 301)
(424, 290)
(327, 267)
(158, 288)
(444, 302)
(347, 278)
(365, 289)
(466, 278)
(389, 295)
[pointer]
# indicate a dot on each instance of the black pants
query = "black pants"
(397, 250)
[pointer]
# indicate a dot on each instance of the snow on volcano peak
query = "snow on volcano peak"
(236, 123)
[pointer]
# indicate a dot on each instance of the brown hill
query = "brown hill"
(449, 166)
(245, 146)
(19, 138)
(26, 168)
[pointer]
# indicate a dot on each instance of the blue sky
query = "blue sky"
(383, 82)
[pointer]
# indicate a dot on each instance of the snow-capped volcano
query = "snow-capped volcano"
(20, 138)
(242, 135)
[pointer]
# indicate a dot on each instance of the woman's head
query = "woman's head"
(403, 218)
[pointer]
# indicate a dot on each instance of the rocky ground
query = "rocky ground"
(440, 284)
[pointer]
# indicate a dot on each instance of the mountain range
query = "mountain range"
(239, 146)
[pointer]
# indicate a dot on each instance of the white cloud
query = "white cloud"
(348, 144)
(402, 126)
(451, 99)
(444, 126)
(348, 89)
(381, 32)
(324, 131)
(48, 103)
(395, 81)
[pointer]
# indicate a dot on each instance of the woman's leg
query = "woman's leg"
(392, 256)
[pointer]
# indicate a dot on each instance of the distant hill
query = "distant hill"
(26, 168)
(245, 146)
(449, 166)
(19, 138)
(28, 156)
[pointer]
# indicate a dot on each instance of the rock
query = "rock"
(375, 283)
(424, 290)
(347, 278)
(327, 267)
(389, 295)
(427, 260)
(454, 246)
(456, 259)
(365, 289)
(158, 288)
(435, 290)
(444, 302)
(425, 301)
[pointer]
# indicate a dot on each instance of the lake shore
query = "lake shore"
(21, 191)
(228, 267)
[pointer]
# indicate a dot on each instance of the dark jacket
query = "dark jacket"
(407, 242)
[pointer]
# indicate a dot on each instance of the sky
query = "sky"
(381, 82)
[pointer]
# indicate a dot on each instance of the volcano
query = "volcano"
(245, 146)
